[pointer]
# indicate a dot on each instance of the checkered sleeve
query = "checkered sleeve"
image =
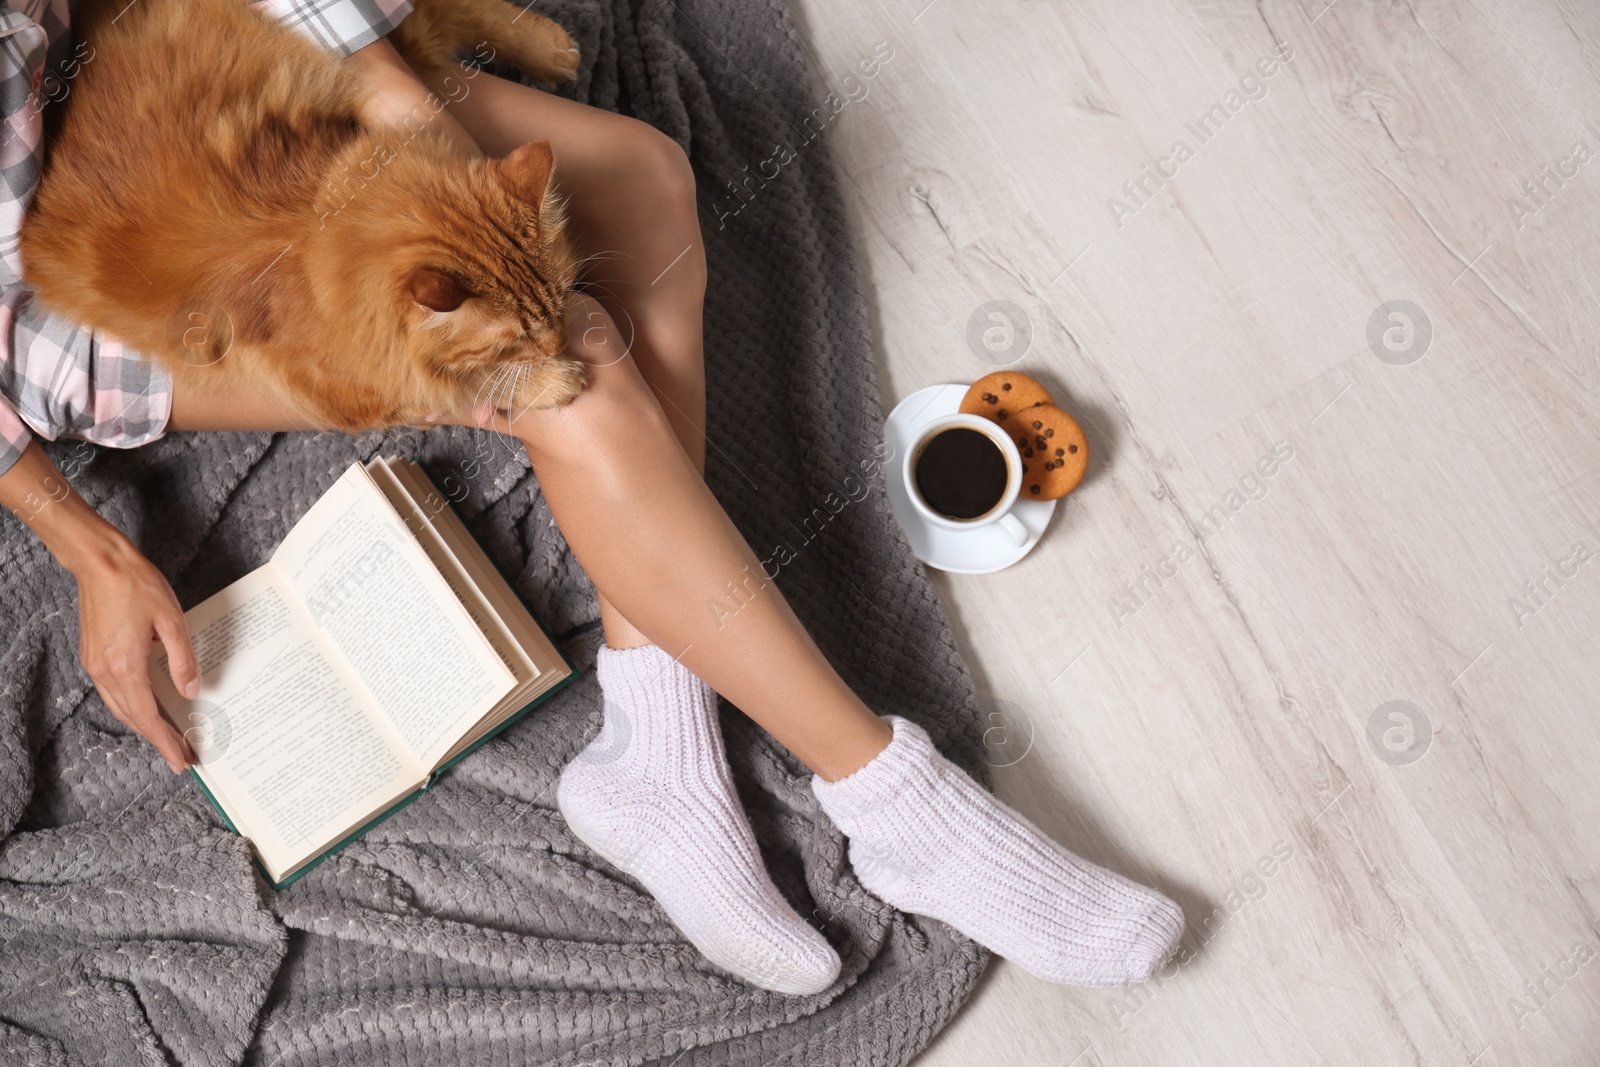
(14, 435)
(65, 380)
(342, 26)
(31, 34)
(56, 377)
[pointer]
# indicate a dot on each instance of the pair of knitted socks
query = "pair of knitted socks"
(653, 795)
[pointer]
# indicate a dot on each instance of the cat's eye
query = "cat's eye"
(436, 290)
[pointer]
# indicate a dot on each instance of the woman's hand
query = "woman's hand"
(124, 603)
(124, 606)
(393, 95)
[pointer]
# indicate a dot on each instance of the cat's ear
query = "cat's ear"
(525, 173)
(436, 290)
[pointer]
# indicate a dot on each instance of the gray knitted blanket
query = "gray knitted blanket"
(472, 928)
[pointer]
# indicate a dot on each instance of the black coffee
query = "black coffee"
(961, 473)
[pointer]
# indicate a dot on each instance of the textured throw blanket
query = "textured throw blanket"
(472, 928)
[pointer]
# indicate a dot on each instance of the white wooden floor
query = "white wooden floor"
(1185, 671)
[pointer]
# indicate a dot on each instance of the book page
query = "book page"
(513, 614)
(431, 508)
(284, 741)
(455, 575)
(374, 596)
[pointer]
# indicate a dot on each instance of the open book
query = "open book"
(375, 648)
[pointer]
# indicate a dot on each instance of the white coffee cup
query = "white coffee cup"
(999, 515)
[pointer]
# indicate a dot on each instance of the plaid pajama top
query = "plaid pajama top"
(58, 378)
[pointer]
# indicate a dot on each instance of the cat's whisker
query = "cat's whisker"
(516, 391)
(495, 384)
(509, 380)
(613, 253)
(588, 286)
(486, 386)
(508, 386)
(583, 264)
(507, 376)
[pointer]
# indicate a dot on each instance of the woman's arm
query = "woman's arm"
(395, 95)
(124, 603)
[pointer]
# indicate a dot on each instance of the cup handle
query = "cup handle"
(1014, 529)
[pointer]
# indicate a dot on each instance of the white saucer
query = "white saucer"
(980, 551)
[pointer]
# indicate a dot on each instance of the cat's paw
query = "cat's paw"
(543, 49)
(564, 65)
(551, 383)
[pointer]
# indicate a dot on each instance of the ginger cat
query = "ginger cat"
(213, 199)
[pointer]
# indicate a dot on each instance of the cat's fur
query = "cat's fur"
(213, 199)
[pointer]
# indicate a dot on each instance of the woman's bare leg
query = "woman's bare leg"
(631, 204)
(946, 847)
(656, 543)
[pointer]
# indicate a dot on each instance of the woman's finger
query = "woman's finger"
(173, 629)
(139, 711)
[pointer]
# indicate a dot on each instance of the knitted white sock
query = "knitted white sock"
(654, 796)
(925, 838)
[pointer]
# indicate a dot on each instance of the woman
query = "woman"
(653, 791)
